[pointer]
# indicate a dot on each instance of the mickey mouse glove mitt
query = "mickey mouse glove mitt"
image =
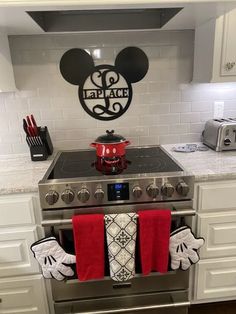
(183, 248)
(53, 259)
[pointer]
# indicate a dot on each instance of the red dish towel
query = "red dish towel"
(154, 235)
(89, 246)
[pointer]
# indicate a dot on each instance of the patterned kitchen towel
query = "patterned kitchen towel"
(154, 236)
(121, 231)
(89, 246)
(183, 248)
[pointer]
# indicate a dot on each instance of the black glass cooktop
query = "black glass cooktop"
(77, 164)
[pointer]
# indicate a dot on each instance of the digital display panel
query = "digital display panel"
(118, 186)
(118, 191)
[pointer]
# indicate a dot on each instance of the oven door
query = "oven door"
(100, 296)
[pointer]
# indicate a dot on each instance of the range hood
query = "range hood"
(103, 20)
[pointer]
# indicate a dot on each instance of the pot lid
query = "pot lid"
(110, 137)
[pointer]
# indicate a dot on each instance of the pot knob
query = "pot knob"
(68, 196)
(167, 190)
(99, 194)
(182, 188)
(83, 195)
(137, 191)
(152, 190)
(51, 197)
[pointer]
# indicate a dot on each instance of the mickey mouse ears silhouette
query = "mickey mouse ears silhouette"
(76, 65)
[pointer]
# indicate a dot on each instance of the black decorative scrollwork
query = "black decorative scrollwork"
(103, 102)
(105, 91)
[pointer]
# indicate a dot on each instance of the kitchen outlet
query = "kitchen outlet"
(219, 109)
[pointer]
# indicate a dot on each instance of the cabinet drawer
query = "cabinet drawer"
(15, 256)
(23, 295)
(219, 232)
(16, 210)
(216, 278)
(215, 195)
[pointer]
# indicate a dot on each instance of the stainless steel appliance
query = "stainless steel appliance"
(220, 134)
(151, 179)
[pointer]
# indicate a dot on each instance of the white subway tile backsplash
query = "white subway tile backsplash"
(148, 140)
(180, 107)
(170, 96)
(147, 120)
(179, 128)
(203, 106)
(204, 116)
(191, 137)
(159, 108)
(169, 118)
(169, 139)
(190, 117)
(196, 127)
(137, 131)
(159, 130)
(165, 107)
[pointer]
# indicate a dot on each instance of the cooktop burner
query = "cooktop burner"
(75, 164)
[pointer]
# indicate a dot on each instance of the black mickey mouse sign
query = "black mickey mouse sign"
(105, 91)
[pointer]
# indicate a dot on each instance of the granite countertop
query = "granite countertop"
(18, 174)
(206, 165)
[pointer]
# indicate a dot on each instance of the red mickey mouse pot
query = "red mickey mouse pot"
(110, 145)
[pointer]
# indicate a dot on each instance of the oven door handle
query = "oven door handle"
(139, 308)
(59, 222)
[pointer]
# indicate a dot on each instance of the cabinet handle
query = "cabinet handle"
(229, 66)
(0, 300)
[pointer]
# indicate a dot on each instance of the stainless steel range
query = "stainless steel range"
(78, 182)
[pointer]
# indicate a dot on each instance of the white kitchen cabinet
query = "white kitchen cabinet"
(215, 196)
(15, 256)
(216, 278)
(22, 288)
(23, 295)
(215, 49)
(16, 210)
(219, 232)
(215, 274)
(7, 80)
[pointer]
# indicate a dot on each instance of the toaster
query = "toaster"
(220, 134)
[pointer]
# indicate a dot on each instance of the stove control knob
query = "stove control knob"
(83, 195)
(137, 191)
(51, 197)
(67, 196)
(182, 188)
(227, 141)
(167, 190)
(99, 194)
(152, 190)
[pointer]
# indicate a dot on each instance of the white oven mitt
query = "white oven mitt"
(183, 248)
(53, 259)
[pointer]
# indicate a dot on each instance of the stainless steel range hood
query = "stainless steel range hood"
(103, 20)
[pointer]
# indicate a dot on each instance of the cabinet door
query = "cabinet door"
(16, 210)
(219, 232)
(23, 295)
(228, 62)
(215, 278)
(15, 256)
(215, 196)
